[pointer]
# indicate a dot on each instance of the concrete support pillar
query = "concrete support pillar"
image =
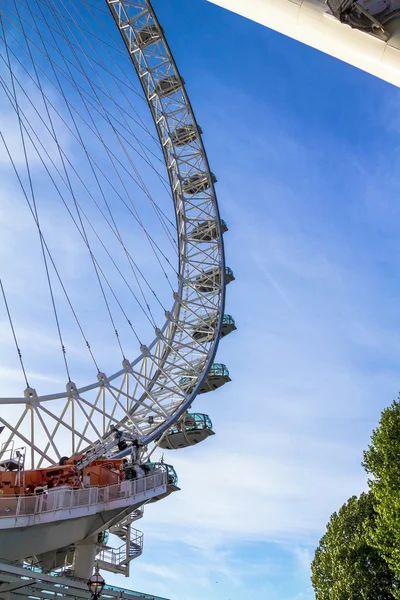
(85, 554)
(47, 560)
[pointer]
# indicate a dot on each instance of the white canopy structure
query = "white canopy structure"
(365, 34)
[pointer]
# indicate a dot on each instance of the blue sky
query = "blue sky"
(305, 150)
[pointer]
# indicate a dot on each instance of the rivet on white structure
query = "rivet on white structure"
(30, 393)
(126, 365)
(71, 388)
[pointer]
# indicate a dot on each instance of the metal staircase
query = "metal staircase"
(117, 560)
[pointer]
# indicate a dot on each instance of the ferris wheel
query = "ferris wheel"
(113, 273)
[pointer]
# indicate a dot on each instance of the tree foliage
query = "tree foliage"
(346, 566)
(382, 462)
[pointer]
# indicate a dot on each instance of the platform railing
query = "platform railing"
(67, 498)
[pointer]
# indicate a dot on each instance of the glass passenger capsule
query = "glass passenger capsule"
(147, 35)
(167, 86)
(184, 135)
(199, 182)
(188, 431)
(207, 231)
(217, 376)
(209, 281)
(204, 331)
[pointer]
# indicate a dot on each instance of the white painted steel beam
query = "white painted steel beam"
(310, 22)
(48, 586)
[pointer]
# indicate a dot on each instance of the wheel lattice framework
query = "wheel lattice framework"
(145, 397)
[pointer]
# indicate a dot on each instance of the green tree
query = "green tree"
(345, 565)
(382, 461)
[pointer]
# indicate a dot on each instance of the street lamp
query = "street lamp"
(96, 584)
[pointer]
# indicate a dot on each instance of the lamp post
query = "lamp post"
(96, 584)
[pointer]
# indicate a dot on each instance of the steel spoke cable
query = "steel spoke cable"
(70, 187)
(120, 109)
(32, 193)
(119, 271)
(141, 184)
(50, 159)
(74, 313)
(50, 27)
(161, 214)
(109, 97)
(80, 232)
(48, 251)
(118, 82)
(116, 47)
(99, 9)
(84, 148)
(126, 153)
(134, 208)
(71, 131)
(118, 65)
(43, 254)
(137, 280)
(13, 333)
(45, 244)
(47, 272)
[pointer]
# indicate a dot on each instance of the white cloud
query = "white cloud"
(160, 571)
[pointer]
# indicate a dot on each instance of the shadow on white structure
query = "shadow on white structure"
(48, 525)
(365, 34)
